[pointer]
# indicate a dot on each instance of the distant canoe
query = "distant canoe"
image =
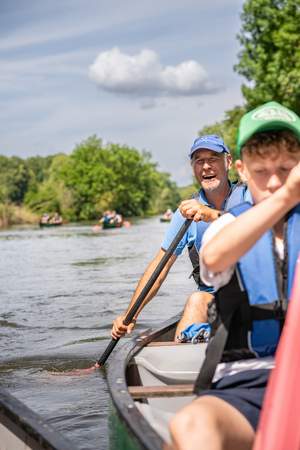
(107, 225)
(21, 428)
(164, 219)
(57, 224)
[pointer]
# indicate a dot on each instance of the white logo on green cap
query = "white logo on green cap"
(274, 113)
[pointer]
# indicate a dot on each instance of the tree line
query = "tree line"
(93, 178)
(97, 177)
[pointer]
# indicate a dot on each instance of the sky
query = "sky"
(144, 74)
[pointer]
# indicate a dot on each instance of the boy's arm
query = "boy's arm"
(235, 239)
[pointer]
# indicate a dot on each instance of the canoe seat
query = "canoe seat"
(165, 367)
(171, 364)
(174, 390)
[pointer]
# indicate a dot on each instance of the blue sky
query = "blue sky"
(146, 74)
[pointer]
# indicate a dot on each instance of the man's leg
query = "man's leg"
(195, 311)
(212, 424)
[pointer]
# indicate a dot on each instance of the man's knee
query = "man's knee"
(198, 300)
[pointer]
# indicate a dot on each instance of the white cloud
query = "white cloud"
(48, 102)
(143, 75)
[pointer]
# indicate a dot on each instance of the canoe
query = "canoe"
(22, 429)
(107, 226)
(163, 219)
(50, 224)
(149, 379)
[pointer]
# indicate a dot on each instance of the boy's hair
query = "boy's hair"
(271, 142)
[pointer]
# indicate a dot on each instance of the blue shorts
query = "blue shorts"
(244, 391)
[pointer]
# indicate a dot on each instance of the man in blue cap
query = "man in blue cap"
(211, 161)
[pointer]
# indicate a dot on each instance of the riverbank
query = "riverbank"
(16, 215)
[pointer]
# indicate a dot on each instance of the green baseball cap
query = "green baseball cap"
(268, 117)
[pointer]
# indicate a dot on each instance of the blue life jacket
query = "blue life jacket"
(248, 313)
(237, 194)
(267, 280)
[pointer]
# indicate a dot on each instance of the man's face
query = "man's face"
(210, 168)
(265, 175)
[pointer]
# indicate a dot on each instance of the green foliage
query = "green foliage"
(269, 60)
(14, 179)
(44, 200)
(134, 179)
(187, 192)
(166, 194)
(93, 178)
(50, 194)
(270, 55)
(38, 167)
(112, 176)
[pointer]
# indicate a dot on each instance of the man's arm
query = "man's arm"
(235, 239)
(119, 329)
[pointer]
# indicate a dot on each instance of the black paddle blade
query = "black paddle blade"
(102, 360)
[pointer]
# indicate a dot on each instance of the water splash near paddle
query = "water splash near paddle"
(126, 223)
(75, 372)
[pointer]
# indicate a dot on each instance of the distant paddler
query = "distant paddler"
(167, 216)
(47, 220)
(110, 219)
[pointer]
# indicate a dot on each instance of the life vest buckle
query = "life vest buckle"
(279, 312)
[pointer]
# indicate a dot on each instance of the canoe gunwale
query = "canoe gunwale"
(135, 422)
(22, 421)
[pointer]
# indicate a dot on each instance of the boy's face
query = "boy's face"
(265, 175)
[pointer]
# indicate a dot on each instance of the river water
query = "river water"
(60, 290)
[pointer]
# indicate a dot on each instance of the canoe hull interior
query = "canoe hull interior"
(150, 379)
(10, 440)
(22, 429)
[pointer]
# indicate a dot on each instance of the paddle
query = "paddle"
(131, 313)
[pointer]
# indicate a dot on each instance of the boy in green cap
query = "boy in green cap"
(249, 256)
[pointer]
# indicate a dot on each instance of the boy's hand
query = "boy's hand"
(292, 184)
(193, 209)
(119, 329)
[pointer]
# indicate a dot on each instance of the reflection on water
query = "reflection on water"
(60, 290)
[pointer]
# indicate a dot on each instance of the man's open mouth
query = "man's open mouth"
(208, 177)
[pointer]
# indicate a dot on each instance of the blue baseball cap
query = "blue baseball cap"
(209, 142)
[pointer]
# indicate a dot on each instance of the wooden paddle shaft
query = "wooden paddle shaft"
(161, 265)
